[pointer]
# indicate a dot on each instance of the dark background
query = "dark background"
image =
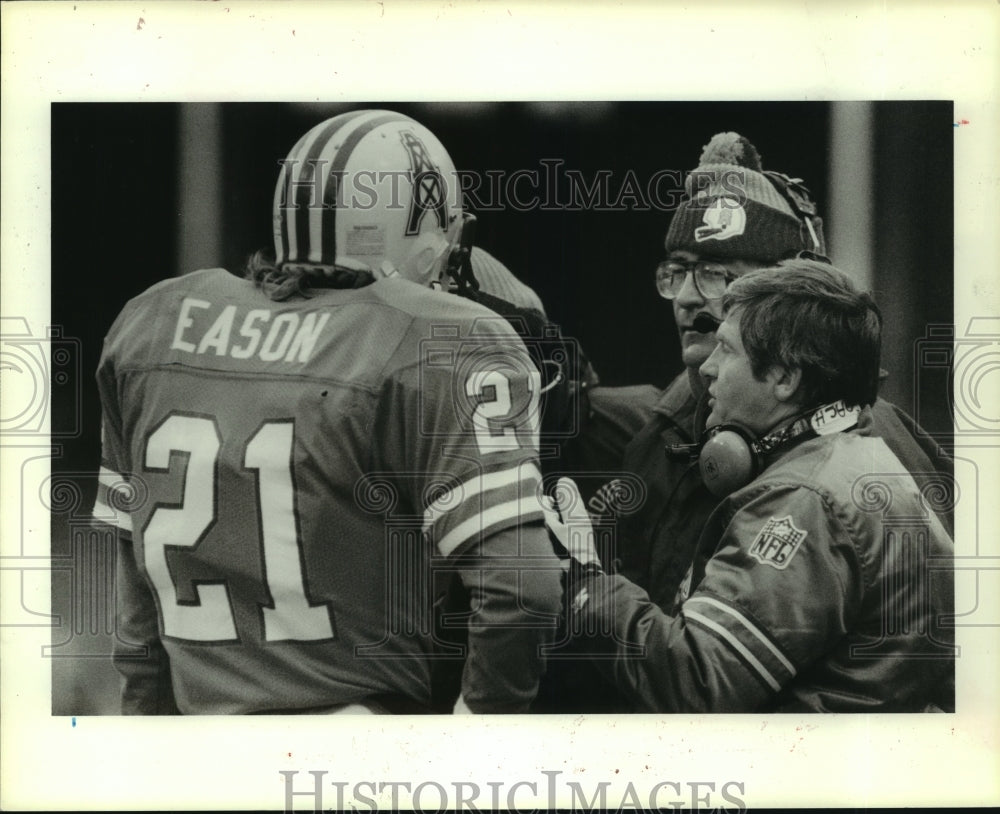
(120, 196)
(117, 208)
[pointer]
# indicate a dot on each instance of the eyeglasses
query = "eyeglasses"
(710, 279)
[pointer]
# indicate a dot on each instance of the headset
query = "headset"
(798, 197)
(730, 457)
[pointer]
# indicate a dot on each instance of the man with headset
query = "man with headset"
(820, 580)
(735, 217)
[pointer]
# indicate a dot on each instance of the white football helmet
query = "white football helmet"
(371, 190)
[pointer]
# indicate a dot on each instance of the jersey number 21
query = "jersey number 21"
(268, 453)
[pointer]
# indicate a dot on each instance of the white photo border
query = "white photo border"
(299, 51)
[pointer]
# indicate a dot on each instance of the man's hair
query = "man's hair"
(290, 279)
(809, 315)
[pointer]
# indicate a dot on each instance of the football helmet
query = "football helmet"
(369, 190)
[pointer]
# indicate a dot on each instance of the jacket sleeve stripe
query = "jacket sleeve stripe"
(736, 644)
(749, 626)
(513, 512)
(731, 614)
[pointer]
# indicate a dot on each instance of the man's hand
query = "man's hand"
(568, 521)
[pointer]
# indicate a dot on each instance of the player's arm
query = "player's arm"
(515, 592)
(748, 628)
(490, 527)
(146, 687)
(145, 676)
(478, 433)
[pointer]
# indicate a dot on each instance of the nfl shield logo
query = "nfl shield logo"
(777, 542)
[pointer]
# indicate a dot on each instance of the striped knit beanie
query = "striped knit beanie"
(733, 209)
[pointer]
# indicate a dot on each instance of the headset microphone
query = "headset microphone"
(705, 323)
(689, 451)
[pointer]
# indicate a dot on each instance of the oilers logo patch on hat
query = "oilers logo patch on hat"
(740, 210)
(724, 219)
(777, 542)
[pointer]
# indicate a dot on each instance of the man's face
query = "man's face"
(695, 346)
(736, 396)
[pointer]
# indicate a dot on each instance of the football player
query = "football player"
(300, 462)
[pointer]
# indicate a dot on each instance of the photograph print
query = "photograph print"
(531, 408)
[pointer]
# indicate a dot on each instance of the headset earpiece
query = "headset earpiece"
(729, 459)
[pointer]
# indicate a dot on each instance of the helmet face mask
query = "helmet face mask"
(371, 190)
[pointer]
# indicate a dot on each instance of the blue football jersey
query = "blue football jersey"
(298, 479)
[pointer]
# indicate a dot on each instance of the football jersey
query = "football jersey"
(298, 478)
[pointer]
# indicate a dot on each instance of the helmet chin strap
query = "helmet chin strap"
(459, 267)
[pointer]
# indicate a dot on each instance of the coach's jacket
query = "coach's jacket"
(655, 542)
(820, 586)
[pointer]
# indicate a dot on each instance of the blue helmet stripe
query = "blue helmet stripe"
(337, 171)
(293, 206)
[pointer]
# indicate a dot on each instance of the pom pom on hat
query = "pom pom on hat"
(732, 209)
(731, 148)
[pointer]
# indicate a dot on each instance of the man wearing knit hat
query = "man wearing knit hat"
(735, 217)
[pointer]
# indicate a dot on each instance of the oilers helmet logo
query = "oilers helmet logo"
(428, 186)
